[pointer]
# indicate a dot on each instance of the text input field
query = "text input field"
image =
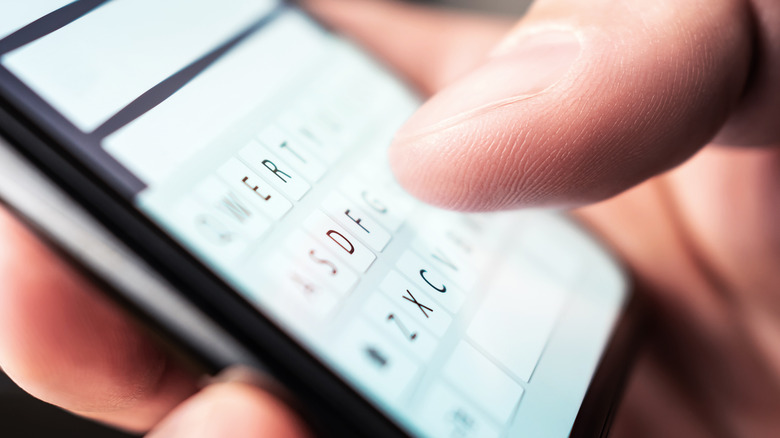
(160, 141)
(97, 65)
(22, 13)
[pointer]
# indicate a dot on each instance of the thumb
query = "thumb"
(580, 101)
(231, 409)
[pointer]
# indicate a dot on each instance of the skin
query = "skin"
(664, 129)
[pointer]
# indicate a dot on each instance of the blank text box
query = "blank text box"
(21, 13)
(97, 65)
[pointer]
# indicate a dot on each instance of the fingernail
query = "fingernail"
(240, 374)
(254, 377)
(519, 69)
(189, 420)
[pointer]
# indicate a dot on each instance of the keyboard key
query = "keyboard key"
(375, 362)
(293, 152)
(388, 207)
(520, 303)
(426, 278)
(356, 221)
(209, 232)
(447, 414)
(483, 382)
(254, 188)
(375, 168)
(458, 238)
(418, 305)
(317, 140)
(327, 120)
(320, 262)
(400, 327)
(228, 209)
(275, 171)
(550, 246)
(297, 295)
(447, 261)
(213, 229)
(334, 237)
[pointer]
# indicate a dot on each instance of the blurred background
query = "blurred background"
(23, 416)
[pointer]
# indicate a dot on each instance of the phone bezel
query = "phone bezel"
(30, 131)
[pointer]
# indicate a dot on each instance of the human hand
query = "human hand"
(648, 86)
(583, 100)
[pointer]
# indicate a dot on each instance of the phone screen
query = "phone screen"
(257, 138)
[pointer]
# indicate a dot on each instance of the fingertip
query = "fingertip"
(233, 410)
(530, 128)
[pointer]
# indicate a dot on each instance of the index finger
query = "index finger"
(579, 102)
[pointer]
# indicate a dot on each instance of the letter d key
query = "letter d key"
(337, 240)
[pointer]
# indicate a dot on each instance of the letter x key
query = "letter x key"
(421, 306)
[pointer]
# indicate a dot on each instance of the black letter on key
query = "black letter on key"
(285, 145)
(341, 242)
(374, 203)
(275, 170)
(358, 221)
(439, 255)
(233, 206)
(443, 287)
(413, 300)
(255, 189)
(328, 263)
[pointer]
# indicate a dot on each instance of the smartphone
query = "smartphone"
(219, 168)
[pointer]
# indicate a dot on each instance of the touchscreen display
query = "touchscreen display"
(257, 139)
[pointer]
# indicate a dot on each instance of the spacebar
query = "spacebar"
(517, 318)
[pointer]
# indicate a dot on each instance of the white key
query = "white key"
(334, 237)
(252, 187)
(375, 362)
(547, 240)
(426, 278)
(376, 168)
(451, 233)
(212, 235)
(320, 262)
(327, 120)
(227, 207)
(447, 261)
(275, 170)
(388, 207)
(400, 327)
(520, 303)
(304, 121)
(483, 382)
(418, 305)
(295, 153)
(317, 140)
(356, 221)
(445, 413)
(298, 294)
